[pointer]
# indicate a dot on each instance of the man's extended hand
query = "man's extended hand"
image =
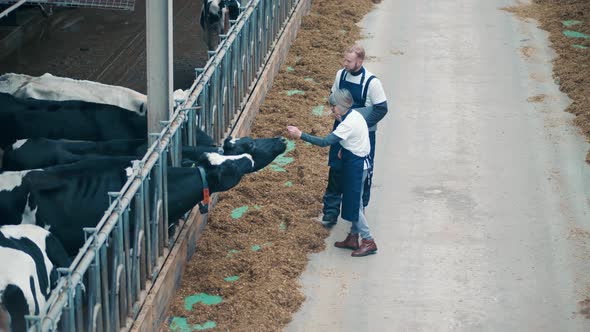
(294, 131)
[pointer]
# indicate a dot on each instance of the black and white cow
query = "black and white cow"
(54, 88)
(67, 198)
(29, 256)
(42, 152)
(74, 120)
(215, 16)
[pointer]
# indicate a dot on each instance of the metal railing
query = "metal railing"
(99, 4)
(106, 285)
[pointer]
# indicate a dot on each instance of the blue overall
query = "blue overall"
(352, 185)
(334, 190)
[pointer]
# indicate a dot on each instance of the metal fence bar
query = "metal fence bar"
(102, 289)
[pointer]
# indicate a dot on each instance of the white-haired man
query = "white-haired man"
(352, 135)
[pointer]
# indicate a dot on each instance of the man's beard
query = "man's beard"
(356, 68)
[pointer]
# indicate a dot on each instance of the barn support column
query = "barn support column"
(159, 63)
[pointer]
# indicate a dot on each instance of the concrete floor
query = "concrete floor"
(480, 206)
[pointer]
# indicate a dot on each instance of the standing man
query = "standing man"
(366, 91)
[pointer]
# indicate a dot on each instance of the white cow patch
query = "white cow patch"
(18, 144)
(29, 216)
(34, 233)
(11, 180)
(214, 7)
(22, 268)
(217, 159)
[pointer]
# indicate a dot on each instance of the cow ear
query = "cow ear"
(204, 160)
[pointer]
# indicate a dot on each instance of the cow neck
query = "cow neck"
(184, 190)
(204, 204)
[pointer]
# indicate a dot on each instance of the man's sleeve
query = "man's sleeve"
(378, 100)
(319, 141)
(379, 111)
(343, 130)
(376, 93)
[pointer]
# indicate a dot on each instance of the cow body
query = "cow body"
(42, 152)
(49, 87)
(33, 254)
(67, 198)
(74, 120)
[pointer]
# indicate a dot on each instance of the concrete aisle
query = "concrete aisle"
(480, 206)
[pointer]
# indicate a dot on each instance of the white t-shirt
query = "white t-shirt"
(375, 93)
(354, 134)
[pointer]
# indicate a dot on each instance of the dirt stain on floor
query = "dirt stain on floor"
(267, 292)
(537, 99)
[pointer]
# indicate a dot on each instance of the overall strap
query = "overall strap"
(366, 89)
(362, 77)
(342, 77)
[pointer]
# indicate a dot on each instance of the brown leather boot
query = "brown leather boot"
(351, 242)
(367, 247)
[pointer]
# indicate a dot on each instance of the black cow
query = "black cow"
(75, 120)
(215, 16)
(29, 256)
(70, 197)
(41, 152)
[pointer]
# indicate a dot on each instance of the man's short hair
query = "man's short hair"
(342, 98)
(358, 50)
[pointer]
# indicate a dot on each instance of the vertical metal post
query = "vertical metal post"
(79, 308)
(145, 188)
(159, 225)
(191, 129)
(128, 265)
(121, 273)
(163, 174)
(159, 63)
(104, 286)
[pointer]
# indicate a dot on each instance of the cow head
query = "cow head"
(262, 150)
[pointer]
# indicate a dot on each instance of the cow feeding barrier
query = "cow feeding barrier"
(107, 283)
